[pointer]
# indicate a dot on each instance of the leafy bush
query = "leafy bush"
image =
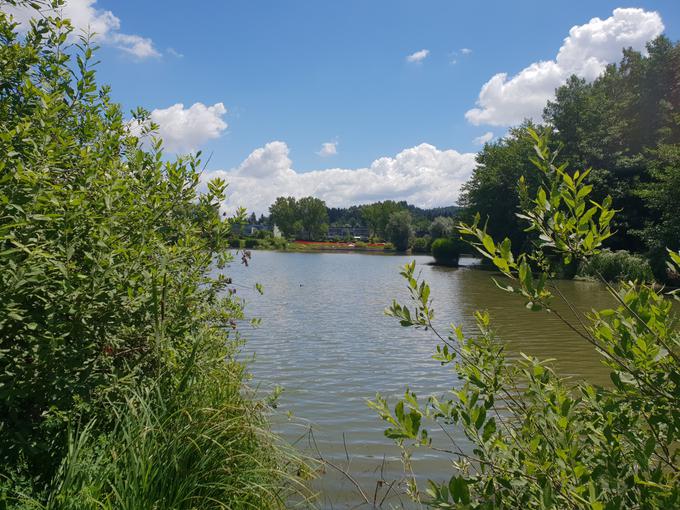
(445, 252)
(273, 243)
(538, 440)
(615, 266)
(237, 243)
(107, 257)
(250, 243)
(421, 245)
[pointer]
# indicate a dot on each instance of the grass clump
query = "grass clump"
(616, 266)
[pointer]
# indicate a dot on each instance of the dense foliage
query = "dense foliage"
(378, 212)
(306, 218)
(446, 251)
(492, 190)
(540, 441)
(626, 125)
(119, 386)
(442, 227)
(614, 266)
(399, 230)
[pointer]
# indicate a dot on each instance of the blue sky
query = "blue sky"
(302, 73)
(308, 72)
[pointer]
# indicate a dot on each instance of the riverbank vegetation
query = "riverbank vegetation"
(119, 383)
(539, 440)
(615, 266)
(625, 125)
(300, 224)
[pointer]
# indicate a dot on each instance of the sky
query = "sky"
(352, 101)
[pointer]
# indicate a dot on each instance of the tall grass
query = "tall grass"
(616, 266)
(176, 453)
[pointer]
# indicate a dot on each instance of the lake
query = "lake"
(325, 339)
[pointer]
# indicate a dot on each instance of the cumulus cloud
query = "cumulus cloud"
(465, 51)
(187, 129)
(481, 140)
(86, 17)
(422, 175)
(587, 50)
(328, 149)
(418, 56)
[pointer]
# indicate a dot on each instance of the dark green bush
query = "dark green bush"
(446, 252)
(272, 243)
(421, 245)
(250, 243)
(237, 243)
(615, 266)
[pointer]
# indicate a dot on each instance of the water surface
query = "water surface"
(324, 338)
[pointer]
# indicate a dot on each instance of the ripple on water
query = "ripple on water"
(325, 339)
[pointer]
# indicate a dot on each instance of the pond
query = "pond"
(325, 339)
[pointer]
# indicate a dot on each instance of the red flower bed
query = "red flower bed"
(339, 244)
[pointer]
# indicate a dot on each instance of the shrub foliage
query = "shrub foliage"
(614, 266)
(108, 289)
(539, 441)
(445, 252)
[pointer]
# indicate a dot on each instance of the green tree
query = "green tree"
(441, 227)
(615, 124)
(399, 230)
(660, 196)
(284, 213)
(313, 217)
(538, 440)
(377, 216)
(492, 191)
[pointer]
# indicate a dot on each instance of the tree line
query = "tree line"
(625, 125)
(398, 222)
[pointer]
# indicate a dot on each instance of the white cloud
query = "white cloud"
(481, 140)
(466, 51)
(422, 175)
(136, 45)
(175, 53)
(328, 149)
(187, 129)
(85, 17)
(418, 56)
(587, 50)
